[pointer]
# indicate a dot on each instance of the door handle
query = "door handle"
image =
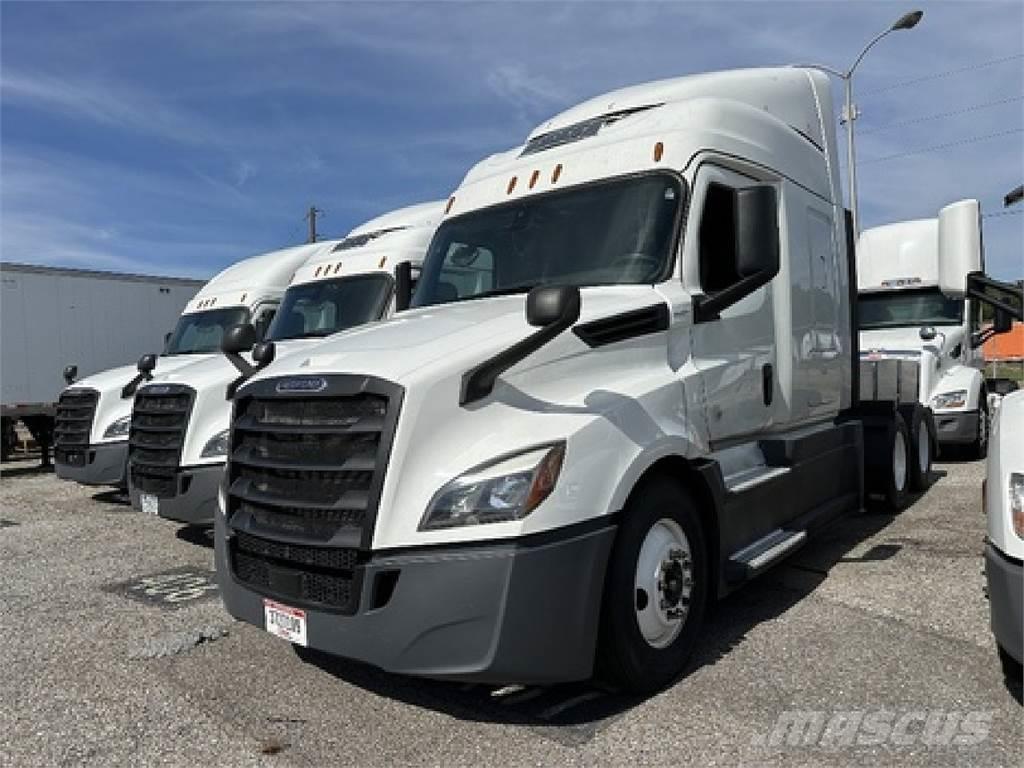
(767, 384)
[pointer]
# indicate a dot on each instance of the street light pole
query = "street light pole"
(849, 113)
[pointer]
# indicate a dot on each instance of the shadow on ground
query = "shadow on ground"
(20, 470)
(573, 713)
(201, 536)
(115, 496)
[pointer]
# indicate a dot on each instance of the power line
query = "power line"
(947, 73)
(997, 214)
(937, 115)
(936, 147)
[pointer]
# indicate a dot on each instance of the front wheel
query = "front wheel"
(920, 465)
(979, 448)
(656, 590)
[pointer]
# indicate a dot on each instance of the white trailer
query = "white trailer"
(904, 315)
(180, 419)
(628, 384)
(53, 318)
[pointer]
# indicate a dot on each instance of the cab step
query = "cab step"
(755, 558)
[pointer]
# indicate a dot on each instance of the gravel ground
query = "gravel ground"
(117, 651)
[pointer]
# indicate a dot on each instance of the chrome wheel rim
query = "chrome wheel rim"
(663, 583)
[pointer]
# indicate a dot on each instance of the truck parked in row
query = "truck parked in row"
(180, 420)
(52, 316)
(629, 383)
(94, 413)
(905, 316)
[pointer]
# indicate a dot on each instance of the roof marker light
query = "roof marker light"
(382, 260)
(242, 300)
(451, 202)
(659, 150)
(533, 178)
(511, 185)
(556, 173)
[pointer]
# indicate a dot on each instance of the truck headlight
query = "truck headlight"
(1017, 502)
(955, 399)
(119, 428)
(216, 446)
(507, 489)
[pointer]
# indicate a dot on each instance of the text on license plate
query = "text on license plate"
(285, 622)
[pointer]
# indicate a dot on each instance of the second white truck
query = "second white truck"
(180, 420)
(905, 316)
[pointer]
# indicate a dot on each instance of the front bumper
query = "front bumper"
(102, 464)
(1005, 577)
(195, 503)
(957, 427)
(512, 612)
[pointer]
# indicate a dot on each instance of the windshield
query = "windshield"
(610, 233)
(898, 309)
(200, 332)
(330, 306)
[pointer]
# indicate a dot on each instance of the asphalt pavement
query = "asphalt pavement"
(869, 646)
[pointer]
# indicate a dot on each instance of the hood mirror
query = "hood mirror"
(238, 338)
(550, 304)
(263, 353)
(70, 374)
(928, 333)
(146, 365)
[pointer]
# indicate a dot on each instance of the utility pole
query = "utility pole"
(311, 218)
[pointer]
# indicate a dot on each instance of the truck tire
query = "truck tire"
(656, 590)
(887, 465)
(922, 446)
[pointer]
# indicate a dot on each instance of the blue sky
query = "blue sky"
(177, 138)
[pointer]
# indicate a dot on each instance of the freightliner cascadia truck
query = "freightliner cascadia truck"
(905, 316)
(94, 413)
(628, 384)
(180, 420)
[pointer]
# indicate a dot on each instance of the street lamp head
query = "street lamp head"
(907, 21)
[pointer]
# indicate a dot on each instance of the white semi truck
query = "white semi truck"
(94, 413)
(629, 383)
(1003, 499)
(904, 316)
(180, 420)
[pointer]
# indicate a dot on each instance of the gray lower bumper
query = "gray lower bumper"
(498, 613)
(956, 427)
(102, 464)
(196, 500)
(1005, 579)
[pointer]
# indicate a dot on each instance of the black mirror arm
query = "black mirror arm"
(977, 282)
(129, 389)
(243, 368)
(708, 307)
(478, 382)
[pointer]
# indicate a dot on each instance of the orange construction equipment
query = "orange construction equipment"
(1005, 346)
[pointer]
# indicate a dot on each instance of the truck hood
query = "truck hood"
(896, 341)
(455, 334)
(111, 406)
(211, 410)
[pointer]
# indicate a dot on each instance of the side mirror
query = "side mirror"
(146, 364)
(70, 374)
(1002, 322)
(263, 353)
(550, 304)
(757, 231)
(238, 338)
(928, 333)
(403, 285)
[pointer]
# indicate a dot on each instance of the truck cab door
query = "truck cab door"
(734, 352)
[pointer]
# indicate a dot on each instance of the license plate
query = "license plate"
(285, 622)
(150, 503)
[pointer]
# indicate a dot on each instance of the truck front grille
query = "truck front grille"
(72, 425)
(159, 420)
(304, 479)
